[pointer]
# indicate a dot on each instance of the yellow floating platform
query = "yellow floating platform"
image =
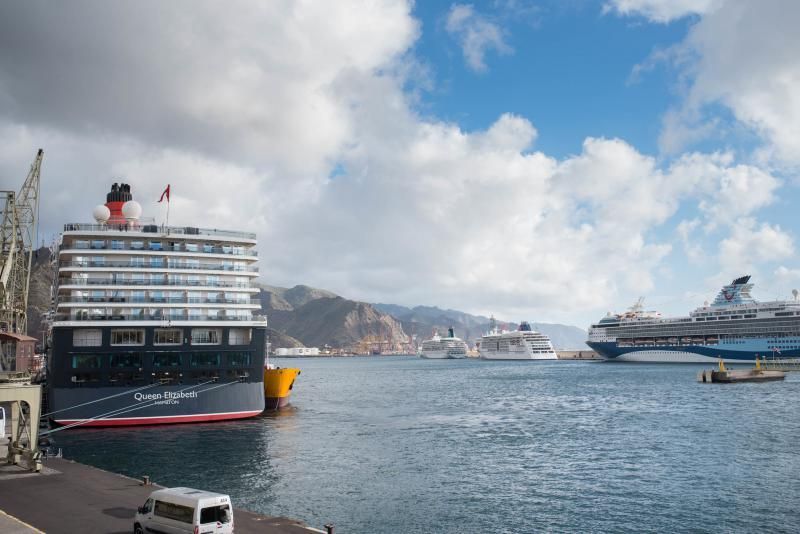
(278, 385)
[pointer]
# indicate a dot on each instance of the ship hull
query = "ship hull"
(441, 355)
(278, 384)
(521, 356)
(681, 354)
(126, 406)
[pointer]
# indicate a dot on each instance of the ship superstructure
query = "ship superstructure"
(154, 324)
(522, 344)
(443, 347)
(734, 327)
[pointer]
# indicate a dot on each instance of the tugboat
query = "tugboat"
(278, 383)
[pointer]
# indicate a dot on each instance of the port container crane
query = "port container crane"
(20, 217)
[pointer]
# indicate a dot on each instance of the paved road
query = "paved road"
(70, 497)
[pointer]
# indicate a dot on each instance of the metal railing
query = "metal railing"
(150, 317)
(75, 247)
(156, 229)
(162, 266)
(156, 300)
(80, 282)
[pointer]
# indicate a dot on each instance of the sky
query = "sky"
(537, 160)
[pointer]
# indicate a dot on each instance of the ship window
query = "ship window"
(86, 361)
(85, 337)
(239, 336)
(205, 359)
(126, 359)
(96, 243)
(208, 248)
(167, 359)
(137, 245)
(239, 359)
(80, 244)
(116, 244)
(191, 247)
(155, 245)
(171, 336)
(127, 337)
(156, 262)
(206, 336)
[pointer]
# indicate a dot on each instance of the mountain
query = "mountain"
(316, 318)
(42, 273)
(421, 321)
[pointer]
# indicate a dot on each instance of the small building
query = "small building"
(297, 351)
(17, 352)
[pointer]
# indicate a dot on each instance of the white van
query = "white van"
(179, 510)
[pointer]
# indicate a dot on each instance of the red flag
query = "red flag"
(165, 193)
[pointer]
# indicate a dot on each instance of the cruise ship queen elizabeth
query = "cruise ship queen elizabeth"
(153, 324)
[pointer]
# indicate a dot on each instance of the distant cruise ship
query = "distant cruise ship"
(524, 344)
(443, 347)
(734, 327)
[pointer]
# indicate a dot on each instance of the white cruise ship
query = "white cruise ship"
(734, 328)
(524, 344)
(443, 347)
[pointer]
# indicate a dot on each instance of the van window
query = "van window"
(148, 506)
(184, 514)
(215, 514)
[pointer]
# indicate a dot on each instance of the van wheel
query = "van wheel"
(137, 529)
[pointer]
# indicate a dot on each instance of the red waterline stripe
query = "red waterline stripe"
(129, 421)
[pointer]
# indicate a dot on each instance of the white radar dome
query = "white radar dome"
(101, 213)
(132, 210)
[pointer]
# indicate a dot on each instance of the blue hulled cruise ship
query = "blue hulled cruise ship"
(734, 327)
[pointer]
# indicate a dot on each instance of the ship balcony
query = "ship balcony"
(178, 249)
(92, 315)
(77, 283)
(153, 230)
(154, 266)
(70, 301)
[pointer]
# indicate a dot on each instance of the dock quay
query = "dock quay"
(578, 355)
(781, 364)
(69, 497)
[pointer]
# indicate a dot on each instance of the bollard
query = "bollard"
(146, 480)
(329, 528)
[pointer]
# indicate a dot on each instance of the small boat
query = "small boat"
(729, 376)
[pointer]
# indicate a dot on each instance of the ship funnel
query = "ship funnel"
(450, 332)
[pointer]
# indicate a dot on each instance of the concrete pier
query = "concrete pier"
(578, 355)
(70, 497)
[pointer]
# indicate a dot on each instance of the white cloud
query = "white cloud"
(751, 243)
(662, 11)
(420, 211)
(476, 34)
(738, 56)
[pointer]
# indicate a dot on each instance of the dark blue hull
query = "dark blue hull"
(684, 353)
(156, 404)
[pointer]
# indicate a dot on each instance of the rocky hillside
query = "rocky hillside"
(423, 320)
(317, 318)
(42, 273)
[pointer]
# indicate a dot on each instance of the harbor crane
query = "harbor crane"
(20, 218)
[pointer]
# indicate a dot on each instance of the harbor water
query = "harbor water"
(399, 444)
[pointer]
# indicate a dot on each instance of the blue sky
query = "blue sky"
(538, 160)
(569, 73)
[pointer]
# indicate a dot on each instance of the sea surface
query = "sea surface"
(403, 445)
